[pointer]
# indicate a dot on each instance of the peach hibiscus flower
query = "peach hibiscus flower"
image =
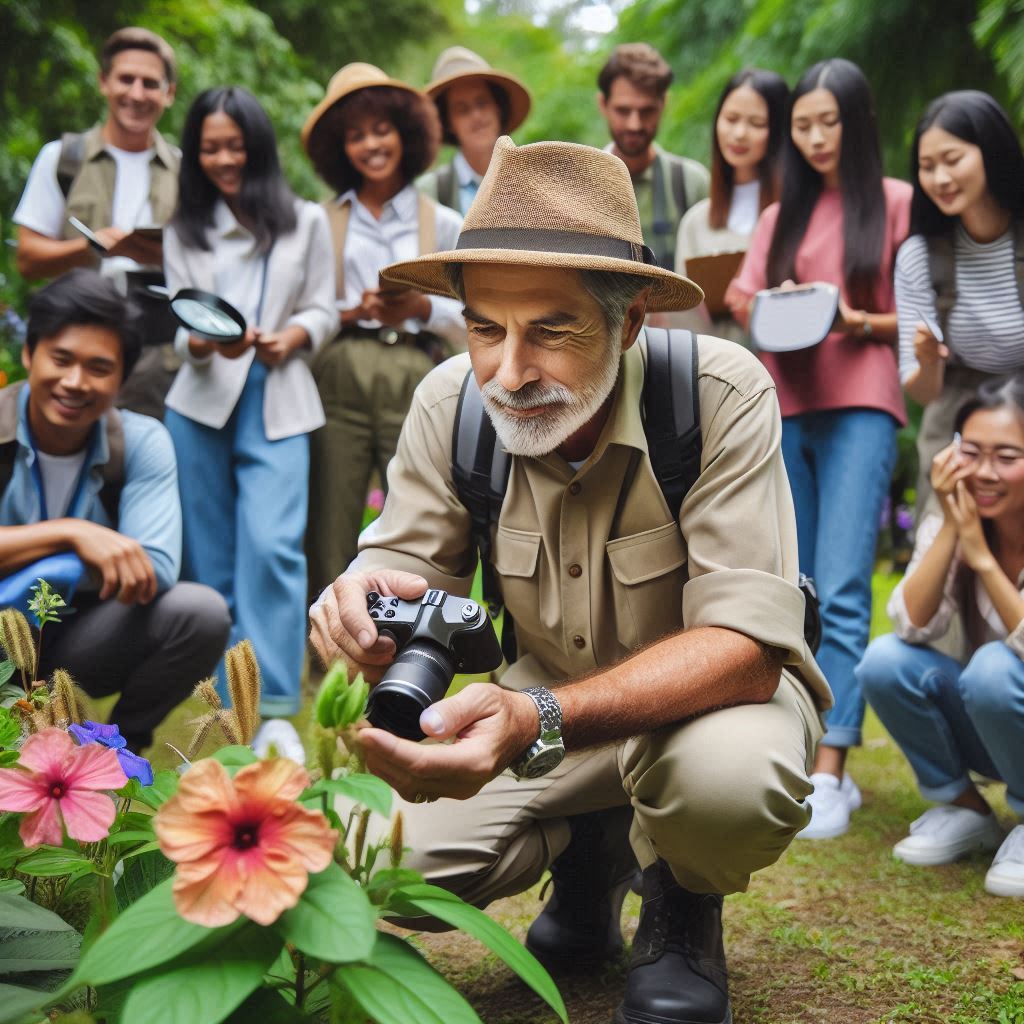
(61, 785)
(242, 845)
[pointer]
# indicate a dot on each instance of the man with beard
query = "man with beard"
(664, 654)
(633, 85)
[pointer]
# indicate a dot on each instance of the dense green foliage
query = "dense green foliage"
(285, 50)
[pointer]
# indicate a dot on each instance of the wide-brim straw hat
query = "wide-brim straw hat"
(457, 63)
(553, 204)
(349, 79)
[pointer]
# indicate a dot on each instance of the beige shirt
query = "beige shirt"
(591, 564)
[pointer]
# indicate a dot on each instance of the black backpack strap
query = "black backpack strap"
(8, 453)
(942, 267)
(480, 470)
(1018, 258)
(112, 471)
(678, 180)
(671, 405)
(72, 155)
(447, 188)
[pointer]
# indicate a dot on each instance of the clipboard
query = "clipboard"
(786, 320)
(714, 274)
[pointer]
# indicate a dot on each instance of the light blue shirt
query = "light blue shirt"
(468, 179)
(150, 510)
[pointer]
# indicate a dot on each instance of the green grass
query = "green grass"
(836, 932)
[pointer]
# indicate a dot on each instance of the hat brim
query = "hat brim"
(336, 97)
(519, 101)
(669, 292)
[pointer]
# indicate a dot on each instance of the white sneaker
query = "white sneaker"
(832, 803)
(277, 738)
(1006, 876)
(946, 833)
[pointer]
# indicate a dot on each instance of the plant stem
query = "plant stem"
(300, 979)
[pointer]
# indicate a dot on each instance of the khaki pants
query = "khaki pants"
(366, 388)
(717, 798)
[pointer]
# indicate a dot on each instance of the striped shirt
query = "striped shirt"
(986, 324)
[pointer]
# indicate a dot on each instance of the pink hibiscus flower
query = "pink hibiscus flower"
(242, 845)
(60, 785)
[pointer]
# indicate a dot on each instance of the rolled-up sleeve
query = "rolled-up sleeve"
(739, 524)
(939, 624)
(424, 528)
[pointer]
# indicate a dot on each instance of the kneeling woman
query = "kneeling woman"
(240, 414)
(950, 719)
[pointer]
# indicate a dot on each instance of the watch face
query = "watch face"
(542, 762)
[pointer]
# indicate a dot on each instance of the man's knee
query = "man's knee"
(197, 615)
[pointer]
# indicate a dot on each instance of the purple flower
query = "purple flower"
(132, 765)
(904, 518)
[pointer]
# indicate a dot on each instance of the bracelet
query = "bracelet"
(865, 325)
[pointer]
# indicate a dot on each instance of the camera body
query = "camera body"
(434, 637)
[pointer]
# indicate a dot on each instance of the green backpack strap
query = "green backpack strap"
(112, 471)
(72, 156)
(448, 188)
(942, 267)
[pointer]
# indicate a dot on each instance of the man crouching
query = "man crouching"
(651, 647)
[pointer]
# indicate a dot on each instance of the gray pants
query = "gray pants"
(153, 655)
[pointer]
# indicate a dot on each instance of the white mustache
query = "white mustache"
(528, 396)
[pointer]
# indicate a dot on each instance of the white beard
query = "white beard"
(569, 411)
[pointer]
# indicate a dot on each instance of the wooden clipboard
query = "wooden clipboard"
(714, 274)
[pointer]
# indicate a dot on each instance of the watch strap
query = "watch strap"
(548, 709)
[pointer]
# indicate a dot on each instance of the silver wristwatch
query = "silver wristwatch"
(547, 751)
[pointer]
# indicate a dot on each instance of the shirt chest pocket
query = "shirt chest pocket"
(647, 579)
(522, 575)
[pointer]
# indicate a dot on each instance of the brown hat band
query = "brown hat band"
(548, 240)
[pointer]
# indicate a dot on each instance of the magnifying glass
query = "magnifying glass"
(205, 315)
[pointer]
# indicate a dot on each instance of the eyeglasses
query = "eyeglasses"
(1000, 458)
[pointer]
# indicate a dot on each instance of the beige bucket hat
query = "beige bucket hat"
(351, 78)
(553, 204)
(457, 63)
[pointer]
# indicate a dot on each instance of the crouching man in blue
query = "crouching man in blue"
(663, 676)
(77, 475)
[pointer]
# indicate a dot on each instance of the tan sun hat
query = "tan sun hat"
(457, 63)
(351, 78)
(553, 204)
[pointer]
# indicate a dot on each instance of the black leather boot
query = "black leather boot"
(678, 973)
(579, 926)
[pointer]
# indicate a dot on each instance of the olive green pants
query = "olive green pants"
(366, 388)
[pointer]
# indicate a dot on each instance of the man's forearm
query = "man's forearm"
(22, 545)
(673, 679)
(40, 256)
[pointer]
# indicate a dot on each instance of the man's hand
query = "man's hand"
(147, 251)
(341, 626)
(928, 350)
(491, 726)
(122, 562)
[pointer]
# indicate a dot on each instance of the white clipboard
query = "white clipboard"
(787, 320)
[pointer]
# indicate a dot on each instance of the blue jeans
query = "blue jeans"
(839, 465)
(243, 503)
(949, 719)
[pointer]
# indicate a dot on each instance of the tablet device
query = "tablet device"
(787, 320)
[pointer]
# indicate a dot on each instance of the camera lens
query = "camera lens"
(417, 678)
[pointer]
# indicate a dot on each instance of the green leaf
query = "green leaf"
(235, 757)
(12, 886)
(333, 920)
(51, 861)
(205, 988)
(411, 900)
(147, 934)
(142, 874)
(165, 785)
(363, 789)
(10, 692)
(7, 670)
(132, 836)
(11, 846)
(8, 757)
(383, 882)
(16, 1002)
(266, 1006)
(397, 986)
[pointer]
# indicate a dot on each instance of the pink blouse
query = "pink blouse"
(844, 371)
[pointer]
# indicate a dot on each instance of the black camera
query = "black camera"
(435, 637)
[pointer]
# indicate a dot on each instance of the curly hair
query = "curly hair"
(414, 116)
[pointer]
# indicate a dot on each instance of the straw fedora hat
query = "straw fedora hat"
(553, 204)
(351, 78)
(457, 63)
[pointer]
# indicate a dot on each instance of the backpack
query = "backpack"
(72, 156)
(664, 228)
(448, 188)
(942, 267)
(112, 471)
(671, 414)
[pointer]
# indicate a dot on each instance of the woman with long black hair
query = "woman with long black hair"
(839, 221)
(746, 140)
(960, 275)
(240, 414)
(952, 716)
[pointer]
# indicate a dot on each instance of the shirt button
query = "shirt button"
(579, 641)
(575, 571)
(575, 487)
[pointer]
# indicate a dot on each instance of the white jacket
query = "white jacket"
(299, 290)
